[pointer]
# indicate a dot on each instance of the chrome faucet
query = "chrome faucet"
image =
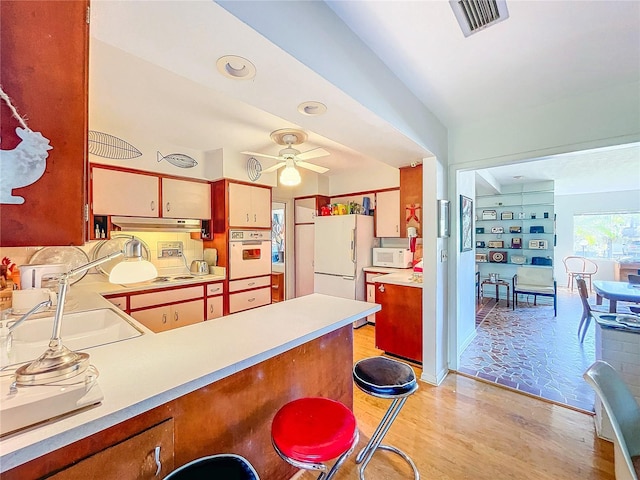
(6, 331)
(39, 306)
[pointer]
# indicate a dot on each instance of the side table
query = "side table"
(498, 284)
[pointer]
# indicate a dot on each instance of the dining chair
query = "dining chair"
(624, 414)
(581, 266)
(634, 279)
(587, 308)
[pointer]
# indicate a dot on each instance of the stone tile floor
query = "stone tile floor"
(532, 351)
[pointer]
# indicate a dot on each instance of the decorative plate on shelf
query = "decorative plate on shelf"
(115, 244)
(72, 257)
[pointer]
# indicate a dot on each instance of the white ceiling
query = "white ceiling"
(545, 51)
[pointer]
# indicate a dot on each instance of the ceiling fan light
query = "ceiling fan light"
(290, 176)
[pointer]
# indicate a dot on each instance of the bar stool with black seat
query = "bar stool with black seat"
(227, 466)
(390, 379)
(311, 431)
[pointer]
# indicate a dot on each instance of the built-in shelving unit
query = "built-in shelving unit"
(519, 222)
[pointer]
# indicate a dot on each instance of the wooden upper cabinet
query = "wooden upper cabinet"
(411, 199)
(185, 199)
(44, 71)
(249, 206)
(388, 213)
(124, 193)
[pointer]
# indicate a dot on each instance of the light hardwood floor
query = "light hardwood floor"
(468, 429)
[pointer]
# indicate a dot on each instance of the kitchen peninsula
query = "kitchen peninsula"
(206, 388)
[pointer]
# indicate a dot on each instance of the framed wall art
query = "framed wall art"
(466, 223)
(443, 218)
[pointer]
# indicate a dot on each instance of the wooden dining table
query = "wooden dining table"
(616, 292)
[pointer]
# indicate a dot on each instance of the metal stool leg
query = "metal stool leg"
(365, 455)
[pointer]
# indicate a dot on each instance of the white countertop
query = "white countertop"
(139, 374)
(100, 283)
(405, 279)
(388, 270)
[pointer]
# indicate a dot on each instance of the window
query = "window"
(607, 235)
(277, 235)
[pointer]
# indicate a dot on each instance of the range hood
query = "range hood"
(144, 224)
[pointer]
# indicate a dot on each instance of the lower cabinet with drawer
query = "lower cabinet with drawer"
(147, 455)
(370, 293)
(249, 293)
(120, 301)
(168, 309)
(215, 300)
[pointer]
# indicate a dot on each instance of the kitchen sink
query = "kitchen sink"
(80, 331)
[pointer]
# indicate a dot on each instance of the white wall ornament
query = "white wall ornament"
(26, 163)
(254, 169)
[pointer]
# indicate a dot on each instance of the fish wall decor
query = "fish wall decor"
(178, 160)
(107, 146)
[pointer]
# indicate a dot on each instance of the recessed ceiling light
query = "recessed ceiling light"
(312, 108)
(236, 68)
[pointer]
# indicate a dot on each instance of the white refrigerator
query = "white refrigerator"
(342, 248)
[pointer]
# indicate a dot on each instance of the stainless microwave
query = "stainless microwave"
(392, 257)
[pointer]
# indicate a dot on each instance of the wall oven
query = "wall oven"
(249, 253)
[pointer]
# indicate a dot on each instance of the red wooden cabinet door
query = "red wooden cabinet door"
(43, 69)
(399, 323)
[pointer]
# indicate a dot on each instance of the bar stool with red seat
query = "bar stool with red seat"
(384, 377)
(311, 431)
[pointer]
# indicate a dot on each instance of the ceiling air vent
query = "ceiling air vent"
(475, 15)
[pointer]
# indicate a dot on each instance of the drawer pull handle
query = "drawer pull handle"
(153, 205)
(381, 288)
(168, 206)
(157, 460)
(175, 316)
(251, 299)
(247, 217)
(164, 318)
(250, 284)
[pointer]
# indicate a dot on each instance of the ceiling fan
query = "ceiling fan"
(290, 158)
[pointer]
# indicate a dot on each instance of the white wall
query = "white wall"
(383, 176)
(603, 118)
(566, 206)
(462, 304)
(435, 365)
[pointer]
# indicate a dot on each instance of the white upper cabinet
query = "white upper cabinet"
(388, 213)
(305, 210)
(185, 199)
(249, 206)
(124, 193)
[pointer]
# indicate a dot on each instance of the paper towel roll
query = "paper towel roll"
(210, 255)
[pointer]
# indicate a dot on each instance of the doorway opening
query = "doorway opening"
(528, 349)
(278, 248)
